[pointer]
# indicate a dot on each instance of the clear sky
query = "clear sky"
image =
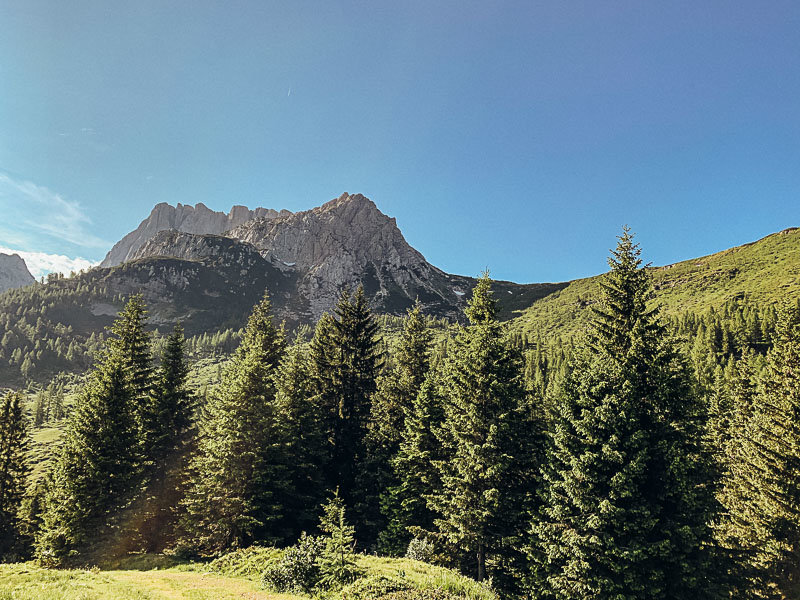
(515, 135)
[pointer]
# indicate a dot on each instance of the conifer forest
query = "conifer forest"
(645, 454)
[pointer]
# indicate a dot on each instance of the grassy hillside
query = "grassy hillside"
(237, 575)
(765, 271)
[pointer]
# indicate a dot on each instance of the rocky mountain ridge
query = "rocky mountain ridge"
(14, 272)
(187, 218)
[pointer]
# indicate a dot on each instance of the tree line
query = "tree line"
(613, 467)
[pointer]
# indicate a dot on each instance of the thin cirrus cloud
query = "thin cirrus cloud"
(40, 217)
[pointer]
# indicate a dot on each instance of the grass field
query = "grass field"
(237, 575)
(28, 582)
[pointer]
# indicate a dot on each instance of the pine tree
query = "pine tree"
(167, 414)
(13, 470)
(404, 503)
(337, 564)
(761, 493)
(130, 343)
(397, 391)
(96, 473)
(306, 441)
(488, 437)
(166, 419)
(346, 358)
(627, 498)
(238, 471)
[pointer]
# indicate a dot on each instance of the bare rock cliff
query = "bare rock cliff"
(345, 243)
(186, 218)
(13, 272)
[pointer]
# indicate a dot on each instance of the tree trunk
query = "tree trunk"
(481, 561)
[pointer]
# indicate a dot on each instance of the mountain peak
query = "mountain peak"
(14, 272)
(186, 218)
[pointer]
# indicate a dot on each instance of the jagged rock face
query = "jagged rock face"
(349, 242)
(13, 272)
(190, 219)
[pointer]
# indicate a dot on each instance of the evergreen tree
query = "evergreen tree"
(337, 563)
(488, 438)
(167, 414)
(130, 343)
(627, 498)
(346, 358)
(96, 473)
(13, 470)
(239, 470)
(397, 391)
(761, 493)
(399, 386)
(166, 419)
(306, 441)
(404, 503)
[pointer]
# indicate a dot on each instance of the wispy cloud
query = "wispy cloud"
(40, 263)
(33, 209)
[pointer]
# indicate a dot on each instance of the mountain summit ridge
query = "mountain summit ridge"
(186, 218)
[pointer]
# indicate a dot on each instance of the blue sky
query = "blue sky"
(515, 135)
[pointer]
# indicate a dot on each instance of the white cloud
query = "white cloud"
(40, 211)
(41, 263)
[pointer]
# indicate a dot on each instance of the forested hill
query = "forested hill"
(759, 273)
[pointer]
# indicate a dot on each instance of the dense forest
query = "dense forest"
(648, 455)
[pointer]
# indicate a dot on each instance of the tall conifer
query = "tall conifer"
(346, 358)
(627, 500)
(239, 472)
(487, 436)
(13, 470)
(96, 473)
(761, 492)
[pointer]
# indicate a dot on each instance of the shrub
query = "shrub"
(247, 562)
(297, 571)
(420, 549)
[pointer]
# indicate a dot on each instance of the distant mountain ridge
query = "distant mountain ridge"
(187, 218)
(342, 244)
(14, 272)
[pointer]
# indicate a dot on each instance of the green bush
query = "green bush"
(248, 562)
(420, 549)
(374, 586)
(297, 571)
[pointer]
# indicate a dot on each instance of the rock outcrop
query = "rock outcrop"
(304, 259)
(13, 272)
(187, 218)
(348, 242)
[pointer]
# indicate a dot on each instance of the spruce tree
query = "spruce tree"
(488, 438)
(761, 493)
(337, 563)
(627, 498)
(404, 503)
(306, 441)
(166, 420)
(239, 471)
(167, 412)
(346, 358)
(13, 470)
(397, 392)
(130, 343)
(96, 473)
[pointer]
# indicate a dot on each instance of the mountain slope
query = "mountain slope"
(765, 271)
(13, 272)
(183, 217)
